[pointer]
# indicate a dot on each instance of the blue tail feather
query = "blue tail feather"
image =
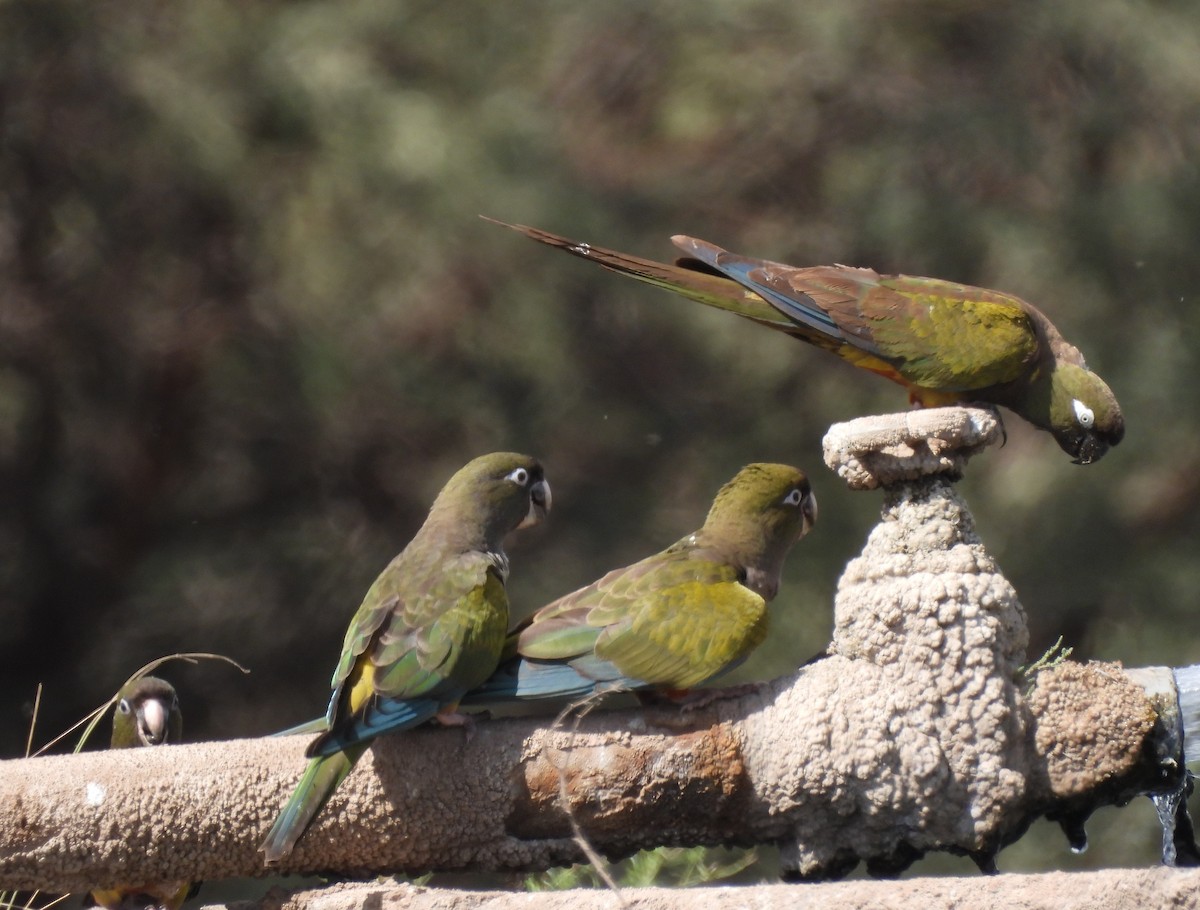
(316, 725)
(812, 316)
(528, 679)
(382, 715)
(740, 268)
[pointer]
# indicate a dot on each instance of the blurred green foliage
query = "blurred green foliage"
(678, 867)
(250, 322)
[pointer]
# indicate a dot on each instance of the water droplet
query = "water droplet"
(1167, 807)
(583, 249)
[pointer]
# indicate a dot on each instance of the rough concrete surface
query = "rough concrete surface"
(1109, 889)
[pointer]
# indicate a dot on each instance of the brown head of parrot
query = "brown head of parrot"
(147, 714)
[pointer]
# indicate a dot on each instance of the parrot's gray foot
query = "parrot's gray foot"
(458, 719)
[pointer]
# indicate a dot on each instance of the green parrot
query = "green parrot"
(674, 620)
(946, 343)
(147, 714)
(430, 629)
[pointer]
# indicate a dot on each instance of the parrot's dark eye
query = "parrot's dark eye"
(123, 706)
(1083, 414)
(793, 498)
(520, 477)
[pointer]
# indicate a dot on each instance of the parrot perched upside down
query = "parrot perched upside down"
(430, 628)
(147, 714)
(946, 343)
(674, 620)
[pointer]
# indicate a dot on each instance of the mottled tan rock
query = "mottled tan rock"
(918, 701)
(1081, 740)
(886, 449)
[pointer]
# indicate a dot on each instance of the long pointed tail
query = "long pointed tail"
(320, 779)
(695, 283)
(316, 725)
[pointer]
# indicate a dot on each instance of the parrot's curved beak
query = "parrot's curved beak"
(152, 721)
(539, 504)
(1089, 448)
(809, 510)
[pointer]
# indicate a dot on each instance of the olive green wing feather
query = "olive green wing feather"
(936, 334)
(417, 644)
(673, 620)
(692, 621)
(950, 337)
(437, 648)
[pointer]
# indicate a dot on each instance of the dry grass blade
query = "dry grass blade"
(581, 709)
(37, 705)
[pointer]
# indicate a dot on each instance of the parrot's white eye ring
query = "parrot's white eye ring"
(123, 706)
(520, 476)
(1084, 415)
(794, 498)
